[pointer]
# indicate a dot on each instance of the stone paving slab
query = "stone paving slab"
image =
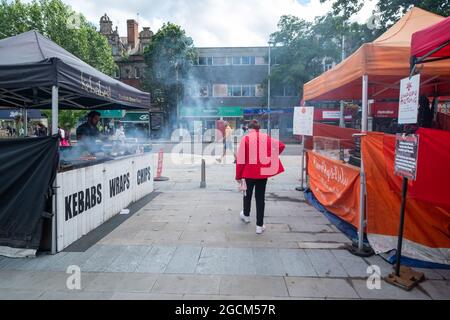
(122, 282)
(145, 296)
(184, 284)
(253, 286)
(320, 288)
(102, 258)
(439, 290)
(129, 259)
(212, 261)
(184, 260)
(241, 261)
(20, 295)
(157, 260)
(297, 263)
(353, 265)
(75, 295)
(268, 262)
(325, 263)
(387, 291)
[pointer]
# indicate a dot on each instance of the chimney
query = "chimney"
(133, 33)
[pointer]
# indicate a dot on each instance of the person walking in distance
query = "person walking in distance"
(257, 160)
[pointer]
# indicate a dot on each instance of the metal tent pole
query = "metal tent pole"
(55, 184)
(362, 203)
(268, 90)
(25, 121)
(341, 115)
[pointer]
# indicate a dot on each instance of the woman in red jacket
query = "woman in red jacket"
(257, 160)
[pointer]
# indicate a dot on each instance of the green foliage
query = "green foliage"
(168, 58)
(52, 19)
(67, 119)
(390, 10)
(304, 46)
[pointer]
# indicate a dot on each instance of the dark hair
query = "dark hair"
(93, 114)
(254, 124)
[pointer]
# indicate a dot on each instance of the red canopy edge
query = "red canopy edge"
(431, 38)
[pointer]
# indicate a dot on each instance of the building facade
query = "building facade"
(227, 83)
(230, 83)
(128, 52)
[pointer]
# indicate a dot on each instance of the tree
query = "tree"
(61, 24)
(389, 11)
(303, 47)
(168, 59)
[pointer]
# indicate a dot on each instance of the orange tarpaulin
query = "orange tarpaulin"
(386, 61)
(336, 186)
(427, 224)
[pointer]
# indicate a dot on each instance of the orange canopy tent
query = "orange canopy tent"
(380, 65)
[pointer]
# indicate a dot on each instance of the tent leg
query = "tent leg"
(25, 121)
(365, 106)
(55, 110)
(341, 115)
(302, 166)
(361, 250)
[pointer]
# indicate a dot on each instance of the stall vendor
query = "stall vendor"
(88, 130)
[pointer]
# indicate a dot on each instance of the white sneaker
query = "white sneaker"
(260, 230)
(244, 218)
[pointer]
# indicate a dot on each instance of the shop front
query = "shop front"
(194, 117)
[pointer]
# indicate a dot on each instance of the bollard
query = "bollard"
(203, 182)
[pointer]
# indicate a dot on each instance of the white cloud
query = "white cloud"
(208, 22)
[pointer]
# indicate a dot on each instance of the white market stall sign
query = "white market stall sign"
(303, 121)
(88, 197)
(409, 100)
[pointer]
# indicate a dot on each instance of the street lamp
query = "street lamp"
(269, 88)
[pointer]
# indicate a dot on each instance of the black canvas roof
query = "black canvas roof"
(30, 64)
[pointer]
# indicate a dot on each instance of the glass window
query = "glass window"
(237, 91)
(210, 61)
(202, 61)
(203, 91)
(137, 73)
(259, 91)
(246, 91)
(260, 60)
(246, 60)
(220, 90)
(219, 61)
(237, 60)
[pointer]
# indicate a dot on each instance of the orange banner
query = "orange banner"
(336, 186)
(427, 225)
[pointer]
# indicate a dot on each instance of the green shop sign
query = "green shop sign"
(137, 117)
(225, 112)
(111, 114)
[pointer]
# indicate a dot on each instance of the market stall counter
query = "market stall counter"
(89, 194)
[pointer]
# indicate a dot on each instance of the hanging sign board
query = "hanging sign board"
(303, 121)
(406, 155)
(409, 100)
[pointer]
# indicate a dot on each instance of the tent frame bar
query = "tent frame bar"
(421, 60)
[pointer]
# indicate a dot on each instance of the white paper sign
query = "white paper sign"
(409, 100)
(303, 121)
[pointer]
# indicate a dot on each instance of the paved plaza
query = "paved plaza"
(188, 243)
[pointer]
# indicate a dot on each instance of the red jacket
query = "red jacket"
(258, 156)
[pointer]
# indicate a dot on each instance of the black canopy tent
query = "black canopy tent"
(30, 64)
(36, 73)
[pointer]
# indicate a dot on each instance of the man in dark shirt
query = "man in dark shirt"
(88, 130)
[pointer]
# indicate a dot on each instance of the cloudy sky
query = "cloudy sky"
(208, 22)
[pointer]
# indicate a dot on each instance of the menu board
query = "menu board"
(406, 154)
